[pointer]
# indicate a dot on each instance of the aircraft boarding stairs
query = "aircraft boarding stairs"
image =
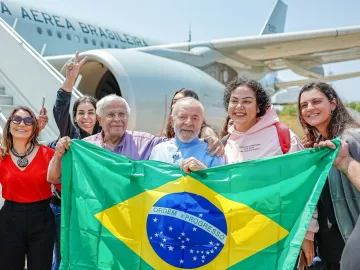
(25, 77)
(6, 105)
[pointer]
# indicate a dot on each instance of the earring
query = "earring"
(258, 111)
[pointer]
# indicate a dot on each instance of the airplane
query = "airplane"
(147, 73)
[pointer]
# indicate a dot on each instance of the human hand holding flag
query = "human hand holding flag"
(121, 214)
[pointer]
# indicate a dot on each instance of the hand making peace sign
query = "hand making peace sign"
(72, 71)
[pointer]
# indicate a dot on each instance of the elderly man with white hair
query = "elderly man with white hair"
(113, 113)
(186, 150)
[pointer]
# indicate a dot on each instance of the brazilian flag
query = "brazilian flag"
(118, 213)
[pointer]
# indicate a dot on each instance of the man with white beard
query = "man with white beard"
(186, 149)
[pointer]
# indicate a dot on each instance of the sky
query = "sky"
(168, 21)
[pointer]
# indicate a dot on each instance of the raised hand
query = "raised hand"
(72, 71)
(42, 119)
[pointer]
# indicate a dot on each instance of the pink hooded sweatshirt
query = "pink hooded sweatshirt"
(262, 141)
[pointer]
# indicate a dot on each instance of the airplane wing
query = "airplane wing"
(301, 52)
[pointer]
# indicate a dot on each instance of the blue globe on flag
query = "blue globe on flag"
(186, 230)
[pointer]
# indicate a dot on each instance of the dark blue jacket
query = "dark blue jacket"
(63, 119)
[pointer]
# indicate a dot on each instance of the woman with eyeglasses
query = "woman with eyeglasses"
(27, 225)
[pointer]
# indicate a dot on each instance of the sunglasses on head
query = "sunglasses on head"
(28, 121)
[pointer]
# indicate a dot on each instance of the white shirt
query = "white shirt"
(164, 152)
(174, 152)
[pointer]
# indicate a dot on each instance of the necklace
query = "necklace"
(22, 161)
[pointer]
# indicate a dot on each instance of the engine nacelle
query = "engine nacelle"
(148, 83)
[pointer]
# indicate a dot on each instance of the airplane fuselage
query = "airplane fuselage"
(63, 35)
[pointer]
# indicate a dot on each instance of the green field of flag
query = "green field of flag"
(118, 213)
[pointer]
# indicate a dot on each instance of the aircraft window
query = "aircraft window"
(39, 30)
(49, 32)
(77, 38)
(68, 36)
(94, 42)
(116, 46)
(109, 45)
(59, 34)
(86, 40)
(225, 75)
(102, 44)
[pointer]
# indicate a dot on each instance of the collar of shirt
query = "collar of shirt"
(118, 147)
(181, 145)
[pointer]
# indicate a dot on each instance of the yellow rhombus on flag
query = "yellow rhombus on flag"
(247, 231)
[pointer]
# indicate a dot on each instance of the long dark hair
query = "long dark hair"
(92, 101)
(7, 139)
(224, 130)
(340, 117)
(170, 133)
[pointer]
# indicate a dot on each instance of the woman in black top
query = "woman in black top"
(324, 117)
(84, 125)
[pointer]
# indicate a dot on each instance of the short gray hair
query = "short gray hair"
(102, 103)
(186, 100)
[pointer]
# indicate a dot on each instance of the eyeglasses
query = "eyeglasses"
(112, 115)
(28, 121)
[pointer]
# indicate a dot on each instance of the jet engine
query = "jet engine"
(148, 83)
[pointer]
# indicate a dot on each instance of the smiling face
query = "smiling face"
(86, 117)
(114, 121)
(316, 108)
(22, 125)
(243, 108)
(188, 121)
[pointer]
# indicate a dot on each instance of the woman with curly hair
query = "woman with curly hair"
(254, 133)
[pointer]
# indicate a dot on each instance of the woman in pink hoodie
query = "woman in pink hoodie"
(255, 135)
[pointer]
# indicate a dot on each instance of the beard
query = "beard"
(185, 139)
